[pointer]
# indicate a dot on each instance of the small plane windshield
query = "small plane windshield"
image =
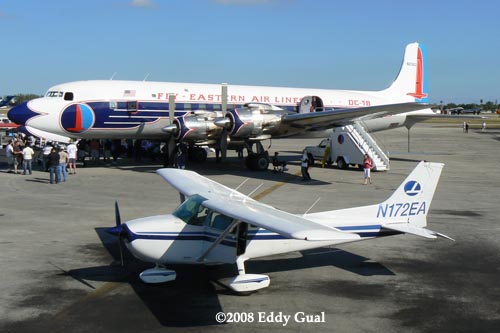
(191, 211)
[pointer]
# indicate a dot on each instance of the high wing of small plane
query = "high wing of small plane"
(215, 224)
(242, 208)
(221, 116)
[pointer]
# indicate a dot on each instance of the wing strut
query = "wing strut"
(218, 240)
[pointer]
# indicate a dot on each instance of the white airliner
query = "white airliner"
(196, 113)
(218, 225)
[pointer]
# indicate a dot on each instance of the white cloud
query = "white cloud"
(142, 3)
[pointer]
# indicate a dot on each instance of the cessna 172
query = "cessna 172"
(215, 225)
(220, 116)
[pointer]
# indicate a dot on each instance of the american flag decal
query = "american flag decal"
(129, 93)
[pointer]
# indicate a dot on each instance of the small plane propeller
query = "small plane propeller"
(119, 230)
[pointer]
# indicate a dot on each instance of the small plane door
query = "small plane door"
(225, 252)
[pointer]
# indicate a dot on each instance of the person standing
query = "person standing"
(28, 153)
(9, 153)
(53, 163)
(304, 166)
(63, 162)
(45, 156)
(367, 166)
(18, 156)
(72, 151)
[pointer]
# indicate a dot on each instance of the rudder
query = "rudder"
(412, 77)
(411, 201)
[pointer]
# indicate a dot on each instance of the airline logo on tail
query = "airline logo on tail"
(420, 93)
(77, 118)
(413, 188)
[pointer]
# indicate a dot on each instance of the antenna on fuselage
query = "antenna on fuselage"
(314, 204)
(112, 76)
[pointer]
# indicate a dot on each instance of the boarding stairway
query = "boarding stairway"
(366, 144)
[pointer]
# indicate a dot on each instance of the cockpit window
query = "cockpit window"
(54, 94)
(191, 211)
(68, 96)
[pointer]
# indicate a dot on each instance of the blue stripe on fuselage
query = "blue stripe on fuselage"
(260, 234)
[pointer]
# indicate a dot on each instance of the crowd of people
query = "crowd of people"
(55, 159)
(61, 160)
(25, 153)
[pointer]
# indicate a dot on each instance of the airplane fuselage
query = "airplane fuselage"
(136, 109)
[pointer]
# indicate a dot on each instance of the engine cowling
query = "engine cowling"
(249, 122)
(193, 127)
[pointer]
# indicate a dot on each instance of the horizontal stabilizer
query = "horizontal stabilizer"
(414, 230)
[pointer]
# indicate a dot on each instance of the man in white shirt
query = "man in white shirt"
(27, 158)
(9, 153)
(72, 150)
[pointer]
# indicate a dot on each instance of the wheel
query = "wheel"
(341, 164)
(258, 162)
(197, 155)
(261, 162)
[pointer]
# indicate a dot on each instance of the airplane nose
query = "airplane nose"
(21, 113)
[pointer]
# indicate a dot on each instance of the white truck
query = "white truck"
(346, 146)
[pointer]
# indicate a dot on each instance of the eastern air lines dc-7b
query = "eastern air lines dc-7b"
(221, 116)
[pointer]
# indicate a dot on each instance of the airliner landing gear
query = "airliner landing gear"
(258, 160)
(245, 283)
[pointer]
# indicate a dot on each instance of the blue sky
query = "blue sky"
(297, 43)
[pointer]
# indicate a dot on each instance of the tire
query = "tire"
(257, 162)
(197, 155)
(261, 162)
(341, 164)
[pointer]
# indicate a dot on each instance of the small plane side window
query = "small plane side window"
(220, 222)
(68, 96)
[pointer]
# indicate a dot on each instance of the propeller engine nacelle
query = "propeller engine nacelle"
(250, 122)
(194, 127)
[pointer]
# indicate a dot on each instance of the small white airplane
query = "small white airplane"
(221, 116)
(218, 225)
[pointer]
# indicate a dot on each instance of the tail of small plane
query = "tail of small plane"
(405, 211)
(411, 201)
(412, 77)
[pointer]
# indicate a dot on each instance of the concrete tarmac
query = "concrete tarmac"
(60, 272)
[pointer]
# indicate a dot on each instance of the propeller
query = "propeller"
(118, 231)
(118, 221)
(172, 129)
(223, 139)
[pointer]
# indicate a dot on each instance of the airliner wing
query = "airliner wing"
(327, 119)
(241, 207)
